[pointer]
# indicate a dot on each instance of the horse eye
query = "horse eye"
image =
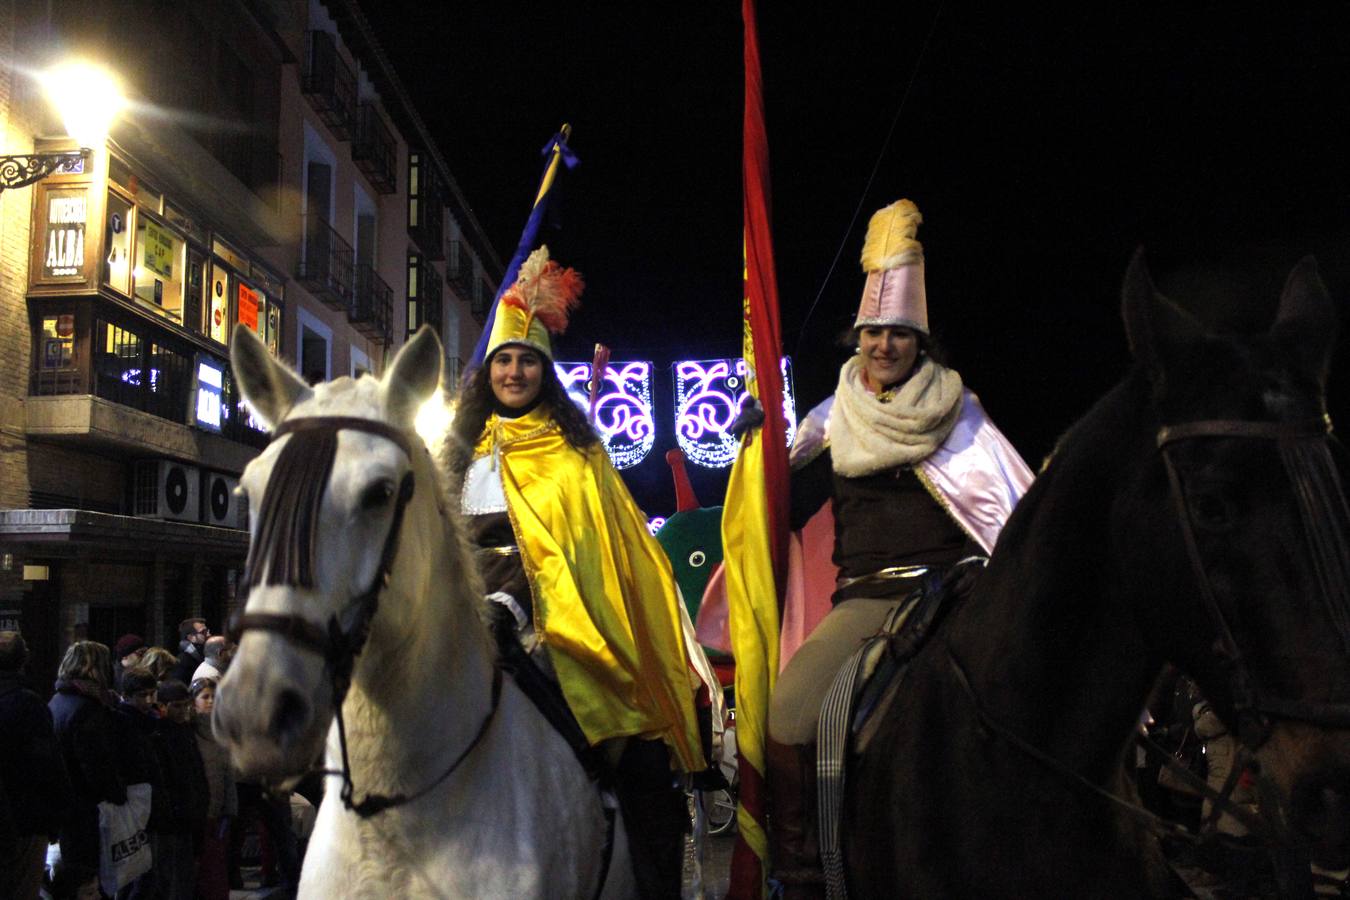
(377, 495)
(1209, 510)
(697, 559)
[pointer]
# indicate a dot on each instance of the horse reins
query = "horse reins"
(1305, 452)
(341, 642)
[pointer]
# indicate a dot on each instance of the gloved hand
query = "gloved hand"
(750, 416)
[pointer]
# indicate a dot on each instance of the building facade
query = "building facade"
(270, 173)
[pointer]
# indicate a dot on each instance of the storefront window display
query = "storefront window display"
(218, 309)
(159, 268)
(58, 341)
(117, 244)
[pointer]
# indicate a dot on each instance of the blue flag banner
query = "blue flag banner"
(558, 154)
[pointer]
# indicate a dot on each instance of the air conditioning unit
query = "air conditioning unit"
(222, 505)
(165, 489)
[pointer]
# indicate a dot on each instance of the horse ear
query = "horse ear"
(270, 388)
(414, 375)
(1155, 326)
(1306, 319)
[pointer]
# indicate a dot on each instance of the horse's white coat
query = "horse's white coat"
(518, 818)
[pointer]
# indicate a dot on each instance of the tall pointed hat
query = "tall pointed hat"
(893, 260)
(537, 305)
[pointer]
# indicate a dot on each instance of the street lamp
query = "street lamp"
(88, 99)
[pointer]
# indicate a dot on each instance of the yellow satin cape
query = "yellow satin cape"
(604, 592)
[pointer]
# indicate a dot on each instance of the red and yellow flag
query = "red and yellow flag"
(755, 513)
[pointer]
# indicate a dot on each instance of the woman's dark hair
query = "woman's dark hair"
(477, 402)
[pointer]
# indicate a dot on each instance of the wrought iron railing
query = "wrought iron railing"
(326, 264)
(329, 83)
(374, 150)
(371, 311)
(459, 269)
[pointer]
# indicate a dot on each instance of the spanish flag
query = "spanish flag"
(755, 513)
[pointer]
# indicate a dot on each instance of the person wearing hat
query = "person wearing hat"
(916, 478)
(175, 837)
(127, 654)
(572, 564)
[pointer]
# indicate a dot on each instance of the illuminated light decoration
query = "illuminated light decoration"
(655, 524)
(708, 395)
(623, 408)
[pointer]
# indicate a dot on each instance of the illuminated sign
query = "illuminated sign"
(64, 245)
(208, 393)
(708, 396)
(623, 408)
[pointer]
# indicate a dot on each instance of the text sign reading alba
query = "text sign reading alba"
(63, 247)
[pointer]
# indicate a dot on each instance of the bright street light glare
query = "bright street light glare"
(87, 97)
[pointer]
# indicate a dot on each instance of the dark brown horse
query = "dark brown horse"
(1193, 516)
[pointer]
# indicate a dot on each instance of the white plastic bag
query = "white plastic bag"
(124, 847)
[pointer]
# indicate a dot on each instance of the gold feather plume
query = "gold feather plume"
(890, 237)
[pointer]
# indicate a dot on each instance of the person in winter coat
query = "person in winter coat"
(36, 787)
(137, 763)
(213, 881)
(86, 734)
(185, 783)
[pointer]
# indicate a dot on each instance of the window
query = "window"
(158, 274)
(247, 309)
(273, 335)
(414, 188)
(196, 291)
(313, 347)
(218, 321)
(58, 341)
(117, 240)
(414, 279)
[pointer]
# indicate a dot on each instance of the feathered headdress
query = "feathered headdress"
(893, 259)
(539, 303)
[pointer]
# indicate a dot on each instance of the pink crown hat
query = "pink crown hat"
(894, 293)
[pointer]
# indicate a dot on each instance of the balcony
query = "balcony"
(326, 264)
(426, 208)
(427, 305)
(483, 295)
(459, 269)
(329, 84)
(114, 381)
(374, 150)
(372, 306)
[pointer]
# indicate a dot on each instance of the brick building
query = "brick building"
(270, 172)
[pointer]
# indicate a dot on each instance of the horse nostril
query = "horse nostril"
(290, 715)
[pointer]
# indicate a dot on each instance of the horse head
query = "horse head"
(1245, 550)
(344, 488)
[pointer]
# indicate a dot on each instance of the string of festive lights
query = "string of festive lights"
(708, 397)
(623, 407)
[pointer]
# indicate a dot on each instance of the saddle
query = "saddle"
(544, 692)
(865, 689)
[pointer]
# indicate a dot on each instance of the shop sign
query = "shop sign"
(64, 244)
(208, 393)
(220, 302)
(158, 250)
(248, 307)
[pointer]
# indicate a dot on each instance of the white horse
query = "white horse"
(484, 798)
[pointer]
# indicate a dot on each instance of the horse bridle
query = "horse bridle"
(346, 632)
(1253, 710)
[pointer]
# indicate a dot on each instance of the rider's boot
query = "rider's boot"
(794, 848)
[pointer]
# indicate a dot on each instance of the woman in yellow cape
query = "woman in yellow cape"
(564, 547)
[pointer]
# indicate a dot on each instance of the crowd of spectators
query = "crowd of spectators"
(133, 714)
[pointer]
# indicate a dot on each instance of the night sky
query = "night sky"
(1041, 146)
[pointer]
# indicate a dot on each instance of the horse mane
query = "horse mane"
(284, 551)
